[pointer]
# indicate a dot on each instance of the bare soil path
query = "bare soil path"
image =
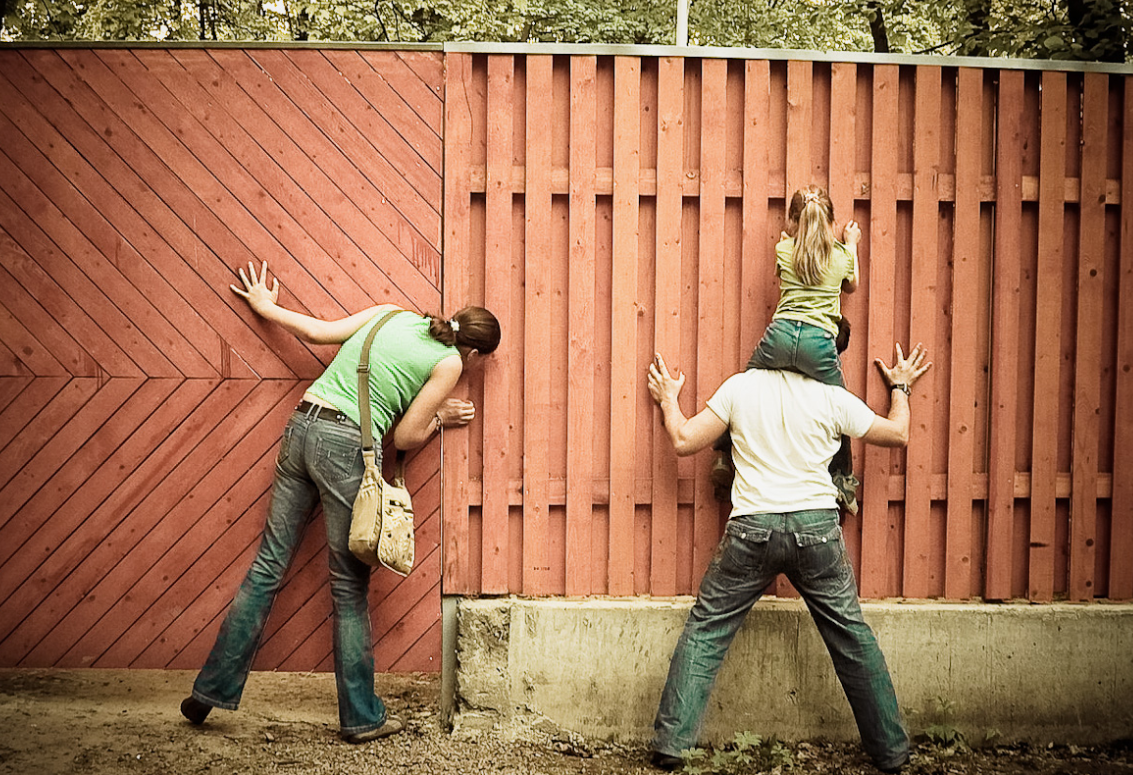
(127, 722)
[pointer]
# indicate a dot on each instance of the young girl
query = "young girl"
(813, 269)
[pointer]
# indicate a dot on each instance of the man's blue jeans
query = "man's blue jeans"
(320, 460)
(806, 546)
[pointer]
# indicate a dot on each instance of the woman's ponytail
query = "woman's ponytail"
(473, 327)
(813, 211)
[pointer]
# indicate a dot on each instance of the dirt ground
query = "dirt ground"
(119, 722)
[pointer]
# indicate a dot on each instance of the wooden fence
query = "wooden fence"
(604, 206)
(142, 400)
(609, 206)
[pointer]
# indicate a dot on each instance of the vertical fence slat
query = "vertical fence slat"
(1005, 335)
(1121, 539)
(843, 124)
(498, 199)
(876, 527)
(1048, 336)
(922, 328)
(624, 377)
(537, 322)
(844, 191)
(1087, 352)
(710, 299)
(963, 355)
(755, 275)
(799, 170)
(580, 396)
(800, 123)
(667, 321)
(458, 134)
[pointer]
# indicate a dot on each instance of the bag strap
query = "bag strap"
(364, 383)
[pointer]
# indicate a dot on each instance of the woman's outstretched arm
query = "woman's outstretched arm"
(264, 302)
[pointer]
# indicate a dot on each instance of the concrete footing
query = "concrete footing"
(595, 667)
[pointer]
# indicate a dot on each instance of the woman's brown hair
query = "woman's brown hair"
(473, 327)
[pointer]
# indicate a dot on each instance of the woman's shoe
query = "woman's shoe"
(195, 710)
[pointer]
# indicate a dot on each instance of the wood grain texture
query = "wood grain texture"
(145, 400)
(604, 208)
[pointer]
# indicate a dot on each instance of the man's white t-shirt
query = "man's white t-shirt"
(785, 430)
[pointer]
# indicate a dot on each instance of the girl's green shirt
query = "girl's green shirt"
(819, 305)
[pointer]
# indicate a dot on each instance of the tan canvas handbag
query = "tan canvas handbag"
(381, 527)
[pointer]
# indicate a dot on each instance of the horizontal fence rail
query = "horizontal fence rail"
(609, 206)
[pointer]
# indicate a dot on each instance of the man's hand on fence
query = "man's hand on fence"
(662, 385)
(905, 370)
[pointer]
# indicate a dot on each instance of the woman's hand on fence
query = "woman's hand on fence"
(851, 233)
(455, 412)
(256, 291)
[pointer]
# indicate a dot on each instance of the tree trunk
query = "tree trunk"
(877, 27)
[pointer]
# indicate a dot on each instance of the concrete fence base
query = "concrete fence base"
(595, 667)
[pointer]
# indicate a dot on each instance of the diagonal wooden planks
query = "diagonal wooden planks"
(143, 401)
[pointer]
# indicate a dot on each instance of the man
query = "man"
(785, 429)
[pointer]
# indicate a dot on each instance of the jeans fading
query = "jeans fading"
(320, 461)
(807, 547)
(802, 347)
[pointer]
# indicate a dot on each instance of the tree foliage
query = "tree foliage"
(1049, 29)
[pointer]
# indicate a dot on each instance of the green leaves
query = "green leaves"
(1055, 29)
(748, 752)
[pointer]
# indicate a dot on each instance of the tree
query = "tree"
(1054, 29)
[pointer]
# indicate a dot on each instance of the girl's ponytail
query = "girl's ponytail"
(813, 211)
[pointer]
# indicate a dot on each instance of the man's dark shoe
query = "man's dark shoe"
(893, 769)
(195, 710)
(664, 761)
(392, 726)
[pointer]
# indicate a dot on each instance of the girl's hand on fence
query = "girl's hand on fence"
(851, 233)
(259, 296)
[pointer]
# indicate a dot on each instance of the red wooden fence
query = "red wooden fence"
(607, 206)
(142, 400)
(604, 206)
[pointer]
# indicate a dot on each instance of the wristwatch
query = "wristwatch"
(902, 387)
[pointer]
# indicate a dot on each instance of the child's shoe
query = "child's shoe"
(722, 476)
(847, 486)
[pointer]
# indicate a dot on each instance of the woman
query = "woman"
(415, 362)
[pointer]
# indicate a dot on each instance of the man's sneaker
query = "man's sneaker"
(392, 726)
(847, 490)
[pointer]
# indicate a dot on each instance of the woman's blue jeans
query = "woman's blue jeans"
(807, 546)
(320, 460)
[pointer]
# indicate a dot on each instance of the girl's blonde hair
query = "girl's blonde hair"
(811, 217)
